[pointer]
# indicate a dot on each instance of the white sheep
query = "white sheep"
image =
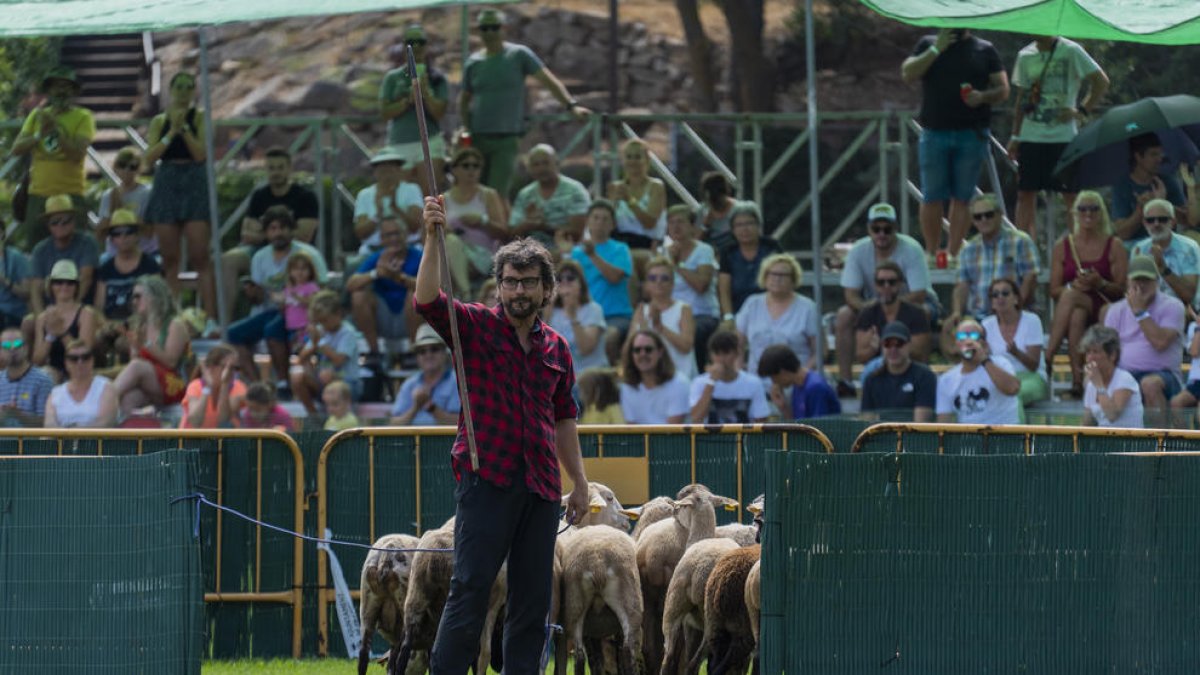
(384, 585)
(683, 614)
(648, 514)
(745, 535)
(602, 597)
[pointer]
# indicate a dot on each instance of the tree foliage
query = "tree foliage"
(23, 64)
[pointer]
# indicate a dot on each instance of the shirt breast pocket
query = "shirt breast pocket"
(554, 371)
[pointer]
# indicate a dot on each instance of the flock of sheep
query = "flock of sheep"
(660, 599)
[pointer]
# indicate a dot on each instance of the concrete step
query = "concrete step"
(107, 72)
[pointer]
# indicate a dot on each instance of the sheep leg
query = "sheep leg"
(364, 650)
(693, 644)
(652, 638)
(595, 655)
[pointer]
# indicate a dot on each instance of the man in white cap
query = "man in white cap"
(396, 106)
(65, 242)
(431, 396)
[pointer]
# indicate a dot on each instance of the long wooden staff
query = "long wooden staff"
(447, 279)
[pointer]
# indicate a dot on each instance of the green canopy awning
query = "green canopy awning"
(1161, 22)
(78, 17)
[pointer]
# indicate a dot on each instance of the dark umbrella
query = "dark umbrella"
(1099, 155)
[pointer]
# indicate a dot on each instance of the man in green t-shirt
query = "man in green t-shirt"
(396, 107)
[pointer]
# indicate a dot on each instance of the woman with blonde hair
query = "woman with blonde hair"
(780, 315)
(159, 343)
(641, 201)
(670, 318)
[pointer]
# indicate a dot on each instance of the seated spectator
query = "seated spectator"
(23, 388)
(741, 261)
(552, 203)
(1151, 328)
(262, 411)
(724, 393)
(811, 394)
(129, 194)
(1113, 397)
(651, 392)
(1190, 395)
(882, 244)
(475, 212)
(64, 243)
(780, 316)
(1177, 256)
(380, 286)
(15, 283)
(1087, 272)
(695, 276)
(268, 276)
(213, 400)
(66, 318)
(330, 353)
(1016, 335)
(901, 385)
(117, 275)
(1145, 181)
(670, 318)
(716, 211)
(607, 265)
(297, 294)
(338, 401)
(600, 395)
(999, 250)
(578, 318)
(884, 309)
(280, 190)
(390, 198)
(84, 399)
(980, 389)
(430, 397)
(160, 343)
(641, 201)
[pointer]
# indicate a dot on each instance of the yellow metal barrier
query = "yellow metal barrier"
(628, 476)
(290, 596)
(1029, 432)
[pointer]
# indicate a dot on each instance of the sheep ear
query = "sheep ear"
(724, 503)
(755, 508)
(676, 505)
(633, 513)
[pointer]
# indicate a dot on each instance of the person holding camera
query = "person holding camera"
(980, 389)
(1049, 74)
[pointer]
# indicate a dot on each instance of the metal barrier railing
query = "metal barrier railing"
(1025, 438)
(74, 442)
(600, 443)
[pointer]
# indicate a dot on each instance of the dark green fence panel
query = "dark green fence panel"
(841, 430)
(99, 572)
(936, 564)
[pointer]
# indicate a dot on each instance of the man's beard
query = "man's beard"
(521, 307)
(281, 244)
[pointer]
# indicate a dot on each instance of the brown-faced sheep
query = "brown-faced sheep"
(384, 585)
(728, 642)
(683, 615)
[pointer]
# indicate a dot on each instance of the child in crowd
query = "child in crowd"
(301, 286)
(333, 344)
(263, 412)
(337, 401)
(601, 397)
(213, 400)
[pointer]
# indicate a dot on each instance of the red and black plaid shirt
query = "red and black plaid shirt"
(516, 398)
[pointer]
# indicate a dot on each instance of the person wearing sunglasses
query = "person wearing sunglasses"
(651, 391)
(397, 107)
(23, 388)
(64, 319)
(85, 399)
(1177, 256)
(65, 242)
(902, 389)
(129, 193)
(1146, 180)
(884, 309)
(780, 315)
(430, 397)
(667, 316)
(475, 211)
(980, 389)
(578, 318)
(117, 276)
(1016, 334)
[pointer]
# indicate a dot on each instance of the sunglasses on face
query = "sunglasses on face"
(60, 282)
(130, 166)
(1156, 220)
(644, 349)
(122, 231)
(1001, 294)
(1088, 208)
(882, 230)
(984, 215)
(968, 335)
(60, 221)
(415, 43)
(489, 28)
(79, 358)
(893, 344)
(15, 344)
(889, 281)
(658, 277)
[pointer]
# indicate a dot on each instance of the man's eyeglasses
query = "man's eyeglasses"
(888, 281)
(893, 344)
(1088, 208)
(14, 344)
(984, 215)
(968, 335)
(658, 277)
(122, 231)
(415, 43)
(882, 230)
(644, 349)
(511, 283)
(1001, 294)
(78, 358)
(1156, 220)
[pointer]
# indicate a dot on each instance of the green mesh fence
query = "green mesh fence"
(918, 563)
(99, 572)
(972, 442)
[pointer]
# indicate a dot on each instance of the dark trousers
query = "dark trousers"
(491, 525)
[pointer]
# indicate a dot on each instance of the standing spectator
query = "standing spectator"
(962, 78)
(1048, 75)
(64, 319)
(741, 260)
(607, 265)
(85, 399)
(641, 200)
(1193, 195)
(1087, 272)
(1113, 397)
(670, 318)
(159, 344)
(811, 394)
(1145, 181)
(980, 389)
(901, 385)
(330, 354)
(338, 402)
(116, 277)
(726, 394)
(492, 100)
(551, 205)
(716, 209)
(130, 194)
(379, 287)
(179, 198)
(64, 243)
(397, 107)
(475, 212)
(695, 276)
(884, 309)
(998, 250)
(15, 286)
(1151, 328)
(578, 318)
(780, 316)
(56, 134)
(262, 410)
(279, 190)
(23, 388)
(1177, 256)
(651, 393)
(213, 400)
(430, 397)
(1017, 335)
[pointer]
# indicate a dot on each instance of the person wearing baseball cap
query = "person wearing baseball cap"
(397, 107)
(1151, 328)
(901, 389)
(56, 134)
(431, 396)
(883, 242)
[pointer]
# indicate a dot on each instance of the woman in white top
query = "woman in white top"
(641, 200)
(695, 276)
(1111, 397)
(475, 211)
(651, 393)
(84, 399)
(1017, 335)
(578, 318)
(780, 316)
(670, 318)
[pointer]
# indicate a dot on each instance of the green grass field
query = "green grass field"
(287, 667)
